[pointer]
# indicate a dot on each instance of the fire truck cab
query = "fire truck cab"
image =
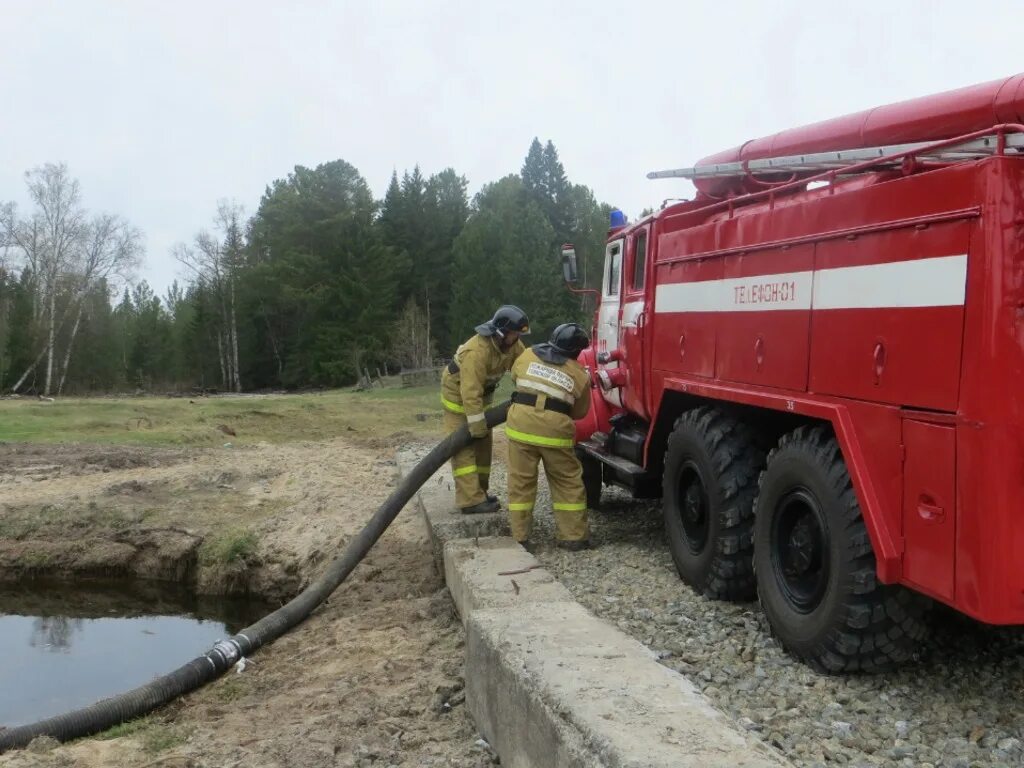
(817, 365)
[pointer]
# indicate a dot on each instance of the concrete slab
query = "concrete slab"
(443, 519)
(497, 573)
(548, 684)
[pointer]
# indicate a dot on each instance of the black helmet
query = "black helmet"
(566, 342)
(507, 318)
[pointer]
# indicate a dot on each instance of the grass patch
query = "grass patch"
(230, 688)
(182, 421)
(35, 560)
(155, 737)
(20, 523)
(160, 738)
(130, 728)
(228, 548)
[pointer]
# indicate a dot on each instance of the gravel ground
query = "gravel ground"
(957, 705)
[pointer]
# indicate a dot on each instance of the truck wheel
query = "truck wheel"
(815, 567)
(710, 481)
(593, 479)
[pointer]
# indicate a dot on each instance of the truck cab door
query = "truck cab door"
(634, 316)
(608, 315)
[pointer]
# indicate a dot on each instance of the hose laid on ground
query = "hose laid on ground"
(110, 712)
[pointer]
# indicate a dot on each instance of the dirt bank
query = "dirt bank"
(227, 520)
(374, 678)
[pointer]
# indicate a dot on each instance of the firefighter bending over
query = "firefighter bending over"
(467, 387)
(552, 390)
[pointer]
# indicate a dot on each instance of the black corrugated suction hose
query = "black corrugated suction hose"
(110, 712)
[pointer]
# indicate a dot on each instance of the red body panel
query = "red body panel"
(892, 307)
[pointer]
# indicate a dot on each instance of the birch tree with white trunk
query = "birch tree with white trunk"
(111, 252)
(67, 255)
(215, 260)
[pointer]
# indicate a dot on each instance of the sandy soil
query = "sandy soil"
(374, 678)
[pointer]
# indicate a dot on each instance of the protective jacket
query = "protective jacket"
(469, 381)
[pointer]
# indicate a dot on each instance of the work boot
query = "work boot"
(484, 507)
(527, 545)
(492, 498)
(574, 546)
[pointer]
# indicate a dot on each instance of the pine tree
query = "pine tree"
(390, 219)
(330, 283)
(124, 327)
(533, 171)
(556, 201)
(504, 256)
(94, 366)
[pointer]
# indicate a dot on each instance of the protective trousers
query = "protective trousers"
(565, 478)
(471, 466)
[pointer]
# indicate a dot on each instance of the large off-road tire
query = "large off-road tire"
(711, 468)
(815, 566)
(593, 479)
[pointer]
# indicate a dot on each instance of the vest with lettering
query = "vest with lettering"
(567, 382)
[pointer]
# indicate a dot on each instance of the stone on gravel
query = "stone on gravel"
(967, 674)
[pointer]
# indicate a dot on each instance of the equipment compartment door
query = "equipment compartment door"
(929, 507)
(764, 318)
(888, 316)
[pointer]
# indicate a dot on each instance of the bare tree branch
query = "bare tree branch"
(215, 262)
(66, 255)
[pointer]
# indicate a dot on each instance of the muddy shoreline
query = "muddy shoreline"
(373, 677)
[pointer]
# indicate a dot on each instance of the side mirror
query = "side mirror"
(569, 263)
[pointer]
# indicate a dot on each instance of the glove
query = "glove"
(478, 429)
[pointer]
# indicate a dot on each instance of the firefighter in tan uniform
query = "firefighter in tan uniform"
(552, 391)
(467, 387)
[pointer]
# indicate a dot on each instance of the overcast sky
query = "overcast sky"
(160, 109)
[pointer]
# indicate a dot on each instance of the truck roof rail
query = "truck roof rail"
(836, 160)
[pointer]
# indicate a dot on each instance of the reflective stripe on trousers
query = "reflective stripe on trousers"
(471, 469)
(471, 466)
(565, 478)
(540, 440)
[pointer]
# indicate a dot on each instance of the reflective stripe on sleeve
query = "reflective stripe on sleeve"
(453, 407)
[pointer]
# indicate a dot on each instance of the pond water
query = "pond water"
(64, 646)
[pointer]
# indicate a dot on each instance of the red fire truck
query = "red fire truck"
(818, 365)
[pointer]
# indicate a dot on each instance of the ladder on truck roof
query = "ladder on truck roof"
(836, 160)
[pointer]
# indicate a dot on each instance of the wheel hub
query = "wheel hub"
(693, 508)
(692, 505)
(800, 550)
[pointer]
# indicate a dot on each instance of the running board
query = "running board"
(620, 471)
(619, 464)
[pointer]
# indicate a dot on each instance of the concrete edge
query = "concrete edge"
(550, 684)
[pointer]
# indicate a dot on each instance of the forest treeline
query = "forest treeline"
(322, 282)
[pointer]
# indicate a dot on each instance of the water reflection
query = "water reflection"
(66, 646)
(53, 633)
